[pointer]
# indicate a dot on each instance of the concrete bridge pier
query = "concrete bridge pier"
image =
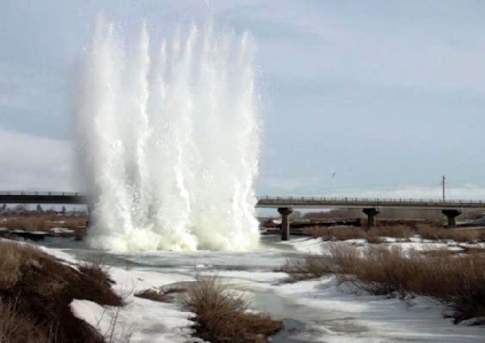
(371, 217)
(285, 223)
(90, 214)
(451, 216)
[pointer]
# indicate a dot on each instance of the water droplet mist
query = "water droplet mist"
(168, 137)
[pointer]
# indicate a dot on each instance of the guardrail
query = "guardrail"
(354, 202)
(312, 199)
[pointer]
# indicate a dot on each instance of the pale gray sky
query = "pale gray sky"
(358, 96)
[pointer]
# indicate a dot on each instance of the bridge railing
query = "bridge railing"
(29, 193)
(310, 199)
(300, 199)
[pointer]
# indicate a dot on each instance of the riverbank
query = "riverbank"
(36, 291)
(321, 310)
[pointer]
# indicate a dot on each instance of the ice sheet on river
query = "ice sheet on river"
(314, 311)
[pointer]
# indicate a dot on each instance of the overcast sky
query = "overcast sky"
(359, 97)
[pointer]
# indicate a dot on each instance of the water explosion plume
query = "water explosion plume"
(169, 140)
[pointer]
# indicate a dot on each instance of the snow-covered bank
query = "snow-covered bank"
(346, 316)
(317, 246)
(378, 318)
(140, 320)
(322, 310)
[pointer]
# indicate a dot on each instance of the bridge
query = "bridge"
(370, 206)
(285, 205)
(64, 198)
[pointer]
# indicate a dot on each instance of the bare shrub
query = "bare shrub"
(223, 316)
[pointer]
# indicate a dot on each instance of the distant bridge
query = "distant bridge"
(345, 202)
(74, 198)
(370, 206)
(65, 198)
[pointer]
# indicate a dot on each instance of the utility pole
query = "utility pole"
(443, 183)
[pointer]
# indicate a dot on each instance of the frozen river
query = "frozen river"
(312, 311)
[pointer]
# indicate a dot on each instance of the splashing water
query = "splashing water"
(169, 140)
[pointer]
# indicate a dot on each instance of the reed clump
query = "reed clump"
(455, 279)
(223, 316)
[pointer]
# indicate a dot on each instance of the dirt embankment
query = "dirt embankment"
(36, 290)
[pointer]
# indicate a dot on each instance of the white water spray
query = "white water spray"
(169, 138)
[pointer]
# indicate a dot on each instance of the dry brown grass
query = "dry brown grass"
(457, 280)
(42, 222)
(314, 266)
(310, 267)
(12, 257)
(457, 235)
(96, 273)
(395, 231)
(375, 235)
(374, 238)
(19, 328)
(42, 288)
(222, 316)
(336, 234)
